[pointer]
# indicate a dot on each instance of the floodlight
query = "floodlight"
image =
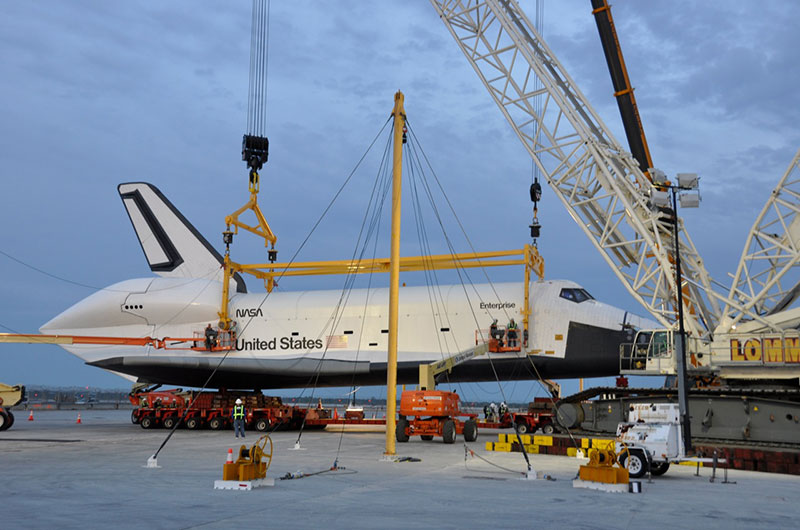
(690, 200)
(658, 176)
(688, 180)
(660, 198)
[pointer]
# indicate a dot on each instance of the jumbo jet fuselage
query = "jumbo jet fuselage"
(324, 338)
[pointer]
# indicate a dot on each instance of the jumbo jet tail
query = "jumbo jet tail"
(172, 246)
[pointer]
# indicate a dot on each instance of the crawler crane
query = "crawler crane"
(742, 349)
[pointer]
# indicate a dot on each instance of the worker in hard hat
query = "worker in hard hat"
(211, 337)
(238, 413)
(503, 410)
(512, 334)
(493, 329)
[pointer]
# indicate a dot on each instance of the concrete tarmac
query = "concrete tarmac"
(56, 474)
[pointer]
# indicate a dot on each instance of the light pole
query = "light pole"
(686, 182)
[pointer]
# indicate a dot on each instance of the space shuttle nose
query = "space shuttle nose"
(593, 351)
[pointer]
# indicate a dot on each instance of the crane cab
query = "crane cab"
(651, 353)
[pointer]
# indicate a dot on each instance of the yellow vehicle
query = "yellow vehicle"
(9, 396)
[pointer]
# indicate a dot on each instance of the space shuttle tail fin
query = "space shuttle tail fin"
(172, 246)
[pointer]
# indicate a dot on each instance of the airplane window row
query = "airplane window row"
(576, 295)
(133, 307)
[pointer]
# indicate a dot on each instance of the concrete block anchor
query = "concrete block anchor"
(297, 447)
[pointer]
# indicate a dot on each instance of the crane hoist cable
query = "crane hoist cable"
(536, 187)
(255, 145)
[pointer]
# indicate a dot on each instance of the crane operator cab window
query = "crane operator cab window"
(659, 345)
(575, 295)
(641, 347)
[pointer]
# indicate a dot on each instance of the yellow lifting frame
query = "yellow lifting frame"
(528, 256)
(262, 229)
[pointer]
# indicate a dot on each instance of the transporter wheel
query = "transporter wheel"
(549, 429)
(147, 422)
(401, 430)
(659, 468)
(449, 431)
(522, 427)
(470, 431)
(169, 422)
(427, 437)
(10, 419)
(216, 423)
(193, 423)
(262, 424)
(5, 421)
(134, 418)
(635, 462)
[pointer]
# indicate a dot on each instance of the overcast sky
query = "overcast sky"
(98, 93)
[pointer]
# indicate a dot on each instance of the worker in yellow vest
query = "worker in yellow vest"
(512, 330)
(238, 414)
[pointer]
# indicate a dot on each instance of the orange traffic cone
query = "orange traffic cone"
(230, 456)
(30, 416)
(78, 421)
(335, 414)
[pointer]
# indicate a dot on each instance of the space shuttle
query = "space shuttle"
(302, 338)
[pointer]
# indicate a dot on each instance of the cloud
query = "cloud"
(99, 93)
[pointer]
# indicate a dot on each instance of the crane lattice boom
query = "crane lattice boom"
(767, 279)
(600, 183)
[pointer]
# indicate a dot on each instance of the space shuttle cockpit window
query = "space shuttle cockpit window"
(575, 295)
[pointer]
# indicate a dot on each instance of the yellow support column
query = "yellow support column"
(394, 273)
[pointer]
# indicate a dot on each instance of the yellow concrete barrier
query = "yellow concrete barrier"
(603, 444)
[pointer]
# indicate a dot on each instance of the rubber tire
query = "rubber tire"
(427, 437)
(147, 422)
(134, 418)
(549, 428)
(193, 423)
(470, 431)
(522, 427)
(401, 430)
(5, 421)
(659, 468)
(638, 463)
(449, 432)
(216, 423)
(262, 424)
(169, 422)
(10, 419)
